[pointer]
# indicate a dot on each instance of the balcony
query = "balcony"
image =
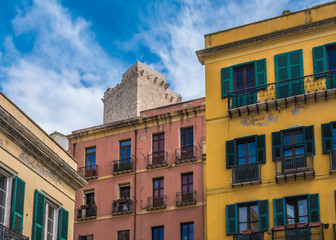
(274, 95)
(332, 157)
(185, 198)
(89, 172)
(157, 159)
(86, 212)
(122, 206)
(294, 166)
(186, 154)
(301, 231)
(9, 234)
(122, 166)
(155, 203)
(248, 235)
(246, 174)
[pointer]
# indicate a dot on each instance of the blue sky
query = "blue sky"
(57, 57)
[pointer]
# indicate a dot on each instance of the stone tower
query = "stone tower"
(141, 88)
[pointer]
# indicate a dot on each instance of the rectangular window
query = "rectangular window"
(85, 237)
(124, 192)
(244, 77)
(158, 148)
(125, 151)
(331, 57)
(187, 187)
(187, 231)
(187, 143)
(5, 196)
(158, 192)
(50, 221)
(297, 210)
(248, 217)
(90, 167)
(158, 233)
(246, 149)
(91, 209)
(123, 235)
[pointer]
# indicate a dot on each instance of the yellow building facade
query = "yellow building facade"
(270, 127)
(38, 180)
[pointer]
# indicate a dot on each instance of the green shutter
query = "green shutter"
(260, 72)
(231, 158)
(231, 219)
(261, 149)
(276, 145)
(63, 224)
(327, 137)
(309, 140)
(319, 59)
(18, 204)
(263, 215)
(279, 212)
(335, 198)
(226, 80)
(38, 220)
(314, 209)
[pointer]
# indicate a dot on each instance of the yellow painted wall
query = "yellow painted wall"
(220, 128)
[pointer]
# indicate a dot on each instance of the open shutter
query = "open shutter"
(231, 158)
(260, 72)
(279, 212)
(18, 204)
(231, 219)
(38, 220)
(319, 59)
(309, 140)
(63, 224)
(263, 215)
(314, 209)
(226, 80)
(276, 145)
(327, 137)
(261, 149)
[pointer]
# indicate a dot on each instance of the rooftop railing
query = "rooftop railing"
(246, 174)
(122, 206)
(299, 231)
(185, 198)
(186, 153)
(154, 203)
(122, 166)
(9, 234)
(157, 159)
(89, 172)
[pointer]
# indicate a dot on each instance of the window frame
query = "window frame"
(187, 175)
(123, 232)
(91, 166)
(128, 150)
(160, 181)
(8, 199)
(159, 232)
(246, 141)
(295, 200)
(248, 205)
(50, 204)
(330, 47)
(188, 224)
(293, 146)
(243, 67)
(187, 136)
(120, 191)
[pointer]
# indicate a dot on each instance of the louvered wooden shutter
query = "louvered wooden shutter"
(38, 219)
(226, 81)
(263, 215)
(63, 224)
(327, 137)
(261, 149)
(231, 158)
(276, 145)
(260, 72)
(18, 204)
(279, 212)
(314, 209)
(309, 140)
(231, 219)
(319, 59)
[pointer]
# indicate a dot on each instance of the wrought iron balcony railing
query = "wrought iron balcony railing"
(9, 234)
(332, 157)
(123, 166)
(122, 206)
(89, 172)
(185, 198)
(249, 236)
(294, 166)
(246, 174)
(280, 93)
(186, 153)
(86, 212)
(300, 231)
(154, 203)
(157, 159)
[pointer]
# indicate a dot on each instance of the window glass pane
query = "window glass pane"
(191, 231)
(241, 161)
(252, 159)
(2, 215)
(332, 59)
(128, 152)
(155, 233)
(91, 150)
(239, 80)
(299, 151)
(3, 183)
(290, 209)
(161, 233)
(125, 143)
(287, 140)
(254, 214)
(288, 153)
(122, 154)
(242, 227)
(334, 135)
(299, 138)
(241, 150)
(242, 214)
(303, 219)
(93, 159)
(303, 209)
(255, 227)
(184, 232)
(251, 148)
(249, 77)
(183, 140)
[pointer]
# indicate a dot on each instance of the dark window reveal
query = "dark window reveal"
(187, 231)
(158, 233)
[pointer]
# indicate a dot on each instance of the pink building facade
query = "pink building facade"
(145, 176)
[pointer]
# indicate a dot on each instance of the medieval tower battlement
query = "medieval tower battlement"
(141, 88)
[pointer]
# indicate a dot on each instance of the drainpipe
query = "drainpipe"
(135, 186)
(203, 197)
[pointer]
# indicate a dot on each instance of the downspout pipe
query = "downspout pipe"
(135, 178)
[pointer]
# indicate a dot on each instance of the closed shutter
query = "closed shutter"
(263, 215)
(314, 209)
(231, 219)
(231, 158)
(279, 212)
(260, 73)
(276, 145)
(327, 137)
(18, 204)
(309, 140)
(261, 149)
(226, 80)
(319, 59)
(38, 219)
(63, 224)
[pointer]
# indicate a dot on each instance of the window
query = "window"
(246, 151)
(90, 168)
(158, 233)
(187, 143)
(331, 57)
(123, 235)
(158, 148)
(85, 237)
(158, 192)
(125, 151)
(244, 77)
(288, 66)
(329, 137)
(187, 183)
(91, 209)
(297, 210)
(248, 217)
(187, 231)
(49, 220)
(5, 196)
(124, 192)
(293, 144)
